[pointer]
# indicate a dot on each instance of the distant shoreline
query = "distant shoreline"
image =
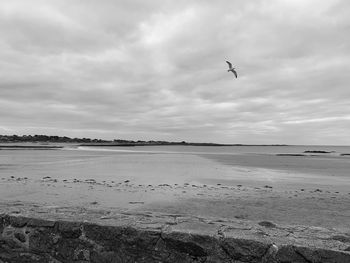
(30, 147)
(173, 143)
(99, 142)
(12, 144)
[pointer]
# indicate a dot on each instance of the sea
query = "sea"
(326, 167)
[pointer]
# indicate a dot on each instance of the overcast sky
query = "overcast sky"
(155, 70)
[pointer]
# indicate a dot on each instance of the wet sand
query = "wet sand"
(314, 207)
(189, 184)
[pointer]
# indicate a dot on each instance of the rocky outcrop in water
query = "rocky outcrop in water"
(318, 152)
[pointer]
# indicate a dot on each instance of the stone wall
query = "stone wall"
(28, 239)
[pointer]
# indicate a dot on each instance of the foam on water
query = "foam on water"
(97, 149)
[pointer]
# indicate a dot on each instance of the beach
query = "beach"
(206, 182)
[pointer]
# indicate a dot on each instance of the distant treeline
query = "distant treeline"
(65, 139)
(46, 138)
(85, 141)
(98, 142)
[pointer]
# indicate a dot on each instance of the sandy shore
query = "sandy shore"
(190, 185)
(297, 207)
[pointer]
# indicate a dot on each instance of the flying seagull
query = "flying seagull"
(232, 69)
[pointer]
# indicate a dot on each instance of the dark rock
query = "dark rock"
(65, 241)
(35, 222)
(91, 181)
(105, 236)
(267, 224)
(244, 250)
(321, 255)
(188, 248)
(341, 238)
(317, 152)
(20, 237)
(69, 229)
(165, 185)
(306, 255)
(288, 254)
(18, 221)
(81, 255)
(242, 216)
(290, 154)
(72, 250)
(185, 247)
(42, 240)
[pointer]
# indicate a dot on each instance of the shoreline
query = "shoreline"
(305, 206)
(165, 191)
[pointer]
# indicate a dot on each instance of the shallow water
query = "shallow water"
(334, 150)
(243, 182)
(249, 165)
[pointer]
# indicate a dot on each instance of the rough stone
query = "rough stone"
(20, 237)
(267, 224)
(245, 250)
(341, 238)
(18, 221)
(69, 229)
(24, 239)
(36, 222)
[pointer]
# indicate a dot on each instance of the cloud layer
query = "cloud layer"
(156, 70)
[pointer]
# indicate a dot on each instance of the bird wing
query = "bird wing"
(229, 64)
(234, 72)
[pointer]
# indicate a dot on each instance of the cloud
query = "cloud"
(156, 70)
